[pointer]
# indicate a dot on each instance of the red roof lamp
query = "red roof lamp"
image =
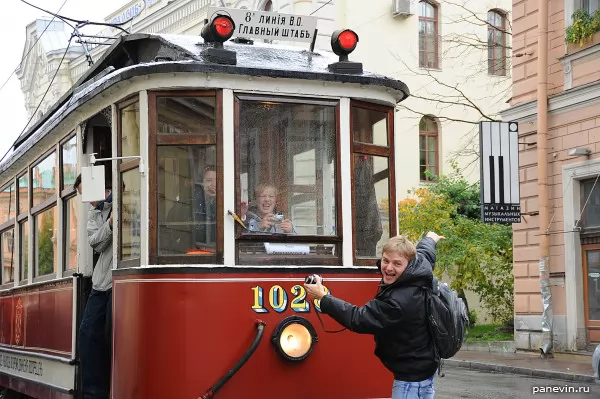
(217, 30)
(343, 42)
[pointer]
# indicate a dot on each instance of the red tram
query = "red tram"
(204, 306)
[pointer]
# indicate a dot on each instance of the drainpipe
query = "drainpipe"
(542, 153)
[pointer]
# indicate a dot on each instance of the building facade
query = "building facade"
(556, 91)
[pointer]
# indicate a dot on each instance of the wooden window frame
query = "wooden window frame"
(65, 250)
(426, 134)
(589, 324)
(34, 209)
(154, 141)
(337, 239)
(587, 230)
(435, 20)
(380, 151)
(492, 29)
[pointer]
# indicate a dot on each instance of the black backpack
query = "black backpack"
(447, 316)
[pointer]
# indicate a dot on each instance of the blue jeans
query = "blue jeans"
(413, 390)
(94, 345)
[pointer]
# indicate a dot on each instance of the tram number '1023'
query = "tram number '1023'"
(278, 299)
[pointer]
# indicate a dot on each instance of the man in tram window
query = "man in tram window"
(397, 316)
(263, 216)
(192, 221)
(95, 331)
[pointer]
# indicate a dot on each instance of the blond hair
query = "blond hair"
(401, 246)
(262, 187)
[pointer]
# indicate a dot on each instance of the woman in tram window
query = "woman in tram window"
(263, 217)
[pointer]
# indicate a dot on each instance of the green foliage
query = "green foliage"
(583, 28)
(472, 317)
(489, 332)
(477, 256)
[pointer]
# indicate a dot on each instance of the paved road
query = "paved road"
(467, 384)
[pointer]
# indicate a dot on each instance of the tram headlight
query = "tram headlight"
(294, 338)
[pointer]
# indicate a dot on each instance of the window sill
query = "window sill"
(575, 55)
(434, 69)
(574, 48)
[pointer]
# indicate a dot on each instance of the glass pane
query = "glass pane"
(130, 214)
(431, 143)
(369, 126)
(69, 162)
(8, 203)
(593, 284)
(287, 164)
(71, 212)
(427, 124)
(23, 194)
(24, 250)
(591, 213)
(44, 179)
(432, 161)
(8, 261)
(186, 115)
(371, 202)
(422, 174)
(130, 130)
(187, 204)
(426, 10)
(46, 226)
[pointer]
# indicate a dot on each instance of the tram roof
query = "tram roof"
(144, 54)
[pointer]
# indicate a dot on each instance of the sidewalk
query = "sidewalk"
(522, 363)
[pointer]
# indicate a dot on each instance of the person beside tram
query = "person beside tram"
(396, 317)
(95, 331)
(263, 217)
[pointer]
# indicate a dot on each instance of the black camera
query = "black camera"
(312, 279)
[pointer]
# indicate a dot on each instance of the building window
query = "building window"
(590, 204)
(428, 148)
(496, 43)
(268, 6)
(588, 5)
(428, 35)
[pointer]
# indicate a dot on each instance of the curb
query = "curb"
(501, 368)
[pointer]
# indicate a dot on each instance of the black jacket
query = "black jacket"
(396, 317)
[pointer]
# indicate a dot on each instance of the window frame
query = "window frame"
(10, 222)
(588, 230)
(39, 209)
(435, 20)
(8, 284)
(426, 134)
(66, 194)
(380, 151)
(156, 140)
(336, 239)
(491, 30)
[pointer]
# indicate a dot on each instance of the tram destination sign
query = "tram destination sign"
(499, 157)
(269, 25)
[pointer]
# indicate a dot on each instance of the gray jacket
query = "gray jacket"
(100, 239)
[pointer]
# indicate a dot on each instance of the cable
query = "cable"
(42, 100)
(319, 8)
(81, 23)
(32, 46)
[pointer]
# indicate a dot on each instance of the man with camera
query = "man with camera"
(396, 317)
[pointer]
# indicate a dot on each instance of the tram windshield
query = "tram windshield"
(287, 179)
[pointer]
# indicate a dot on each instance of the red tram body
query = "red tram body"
(320, 127)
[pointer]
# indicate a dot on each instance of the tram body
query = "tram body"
(182, 319)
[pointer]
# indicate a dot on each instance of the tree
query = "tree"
(476, 256)
(45, 244)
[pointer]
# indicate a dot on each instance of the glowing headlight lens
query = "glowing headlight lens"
(294, 338)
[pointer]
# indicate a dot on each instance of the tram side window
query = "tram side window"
(24, 242)
(287, 182)
(7, 254)
(8, 203)
(45, 241)
(130, 182)
(68, 170)
(23, 194)
(44, 180)
(187, 178)
(373, 166)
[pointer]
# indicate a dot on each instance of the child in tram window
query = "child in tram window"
(263, 217)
